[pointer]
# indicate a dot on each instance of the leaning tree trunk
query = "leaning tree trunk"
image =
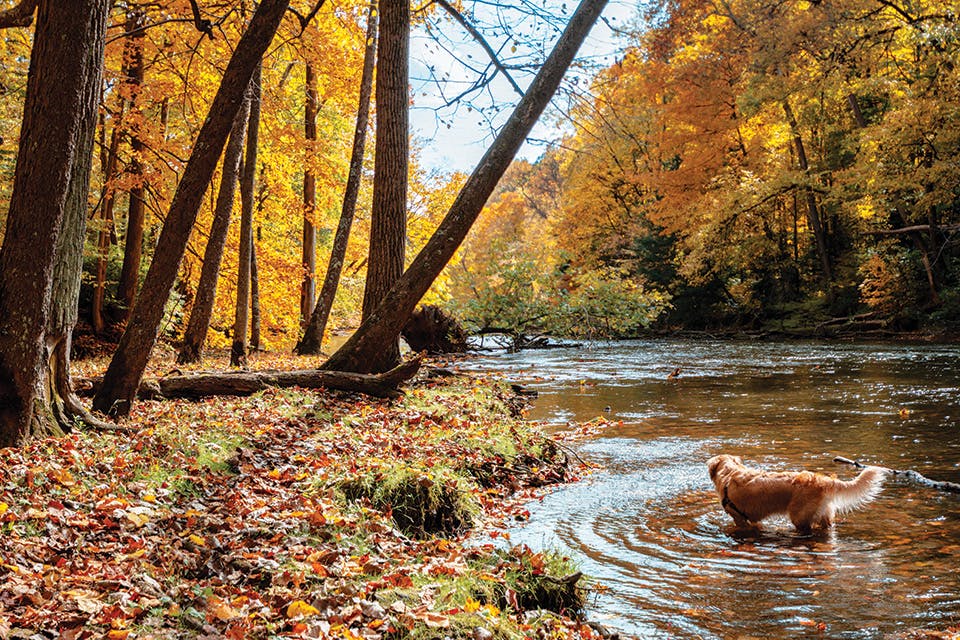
(63, 87)
(388, 218)
(129, 361)
(381, 328)
(202, 310)
(312, 339)
(241, 321)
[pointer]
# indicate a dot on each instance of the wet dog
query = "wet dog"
(810, 500)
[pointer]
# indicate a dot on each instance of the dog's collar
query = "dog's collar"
(727, 503)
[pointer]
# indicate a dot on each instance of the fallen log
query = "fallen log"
(910, 474)
(245, 383)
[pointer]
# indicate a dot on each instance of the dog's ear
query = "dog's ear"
(712, 465)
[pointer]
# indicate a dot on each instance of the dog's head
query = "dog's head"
(716, 463)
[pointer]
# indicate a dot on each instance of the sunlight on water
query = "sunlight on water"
(650, 529)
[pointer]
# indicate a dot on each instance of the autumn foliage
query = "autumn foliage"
(757, 164)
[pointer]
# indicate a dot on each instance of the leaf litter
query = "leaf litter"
(227, 518)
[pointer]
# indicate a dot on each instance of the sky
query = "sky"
(453, 138)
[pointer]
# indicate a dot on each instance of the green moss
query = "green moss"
(422, 501)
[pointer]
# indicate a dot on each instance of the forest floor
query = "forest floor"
(289, 513)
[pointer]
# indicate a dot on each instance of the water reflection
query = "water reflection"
(651, 529)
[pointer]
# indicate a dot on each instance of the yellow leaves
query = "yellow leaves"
(301, 609)
(62, 476)
(138, 517)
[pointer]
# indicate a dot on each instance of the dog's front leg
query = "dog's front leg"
(739, 517)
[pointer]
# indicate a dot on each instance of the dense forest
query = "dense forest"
(779, 166)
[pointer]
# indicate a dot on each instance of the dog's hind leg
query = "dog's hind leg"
(803, 514)
(824, 519)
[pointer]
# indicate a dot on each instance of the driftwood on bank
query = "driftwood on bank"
(910, 474)
(244, 383)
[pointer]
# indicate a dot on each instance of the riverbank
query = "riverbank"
(290, 513)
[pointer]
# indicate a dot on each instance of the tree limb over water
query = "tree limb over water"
(910, 474)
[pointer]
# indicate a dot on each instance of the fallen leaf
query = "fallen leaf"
(300, 609)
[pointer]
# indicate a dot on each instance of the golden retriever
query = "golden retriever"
(810, 500)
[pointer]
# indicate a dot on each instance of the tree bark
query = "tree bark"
(248, 180)
(813, 214)
(199, 323)
(133, 239)
(388, 218)
(129, 361)
(106, 222)
(309, 253)
(312, 339)
(383, 324)
(63, 86)
(254, 293)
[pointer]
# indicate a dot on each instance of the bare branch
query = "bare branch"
(202, 24)
(482, 42)
(304, 20)
(917, 228)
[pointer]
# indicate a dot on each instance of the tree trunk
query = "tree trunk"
(248, 180)
(129, 361)
(199, 323)
(244, 383)
(254, 294)
(383, 324)
(312, 339)
(64, 300)
(388, 218)
(63, 87)
(813, 214)
(106, 222)
(309, 260)
(133, 239)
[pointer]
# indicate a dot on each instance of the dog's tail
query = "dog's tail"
(851, 494)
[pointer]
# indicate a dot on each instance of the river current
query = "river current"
(649, 529)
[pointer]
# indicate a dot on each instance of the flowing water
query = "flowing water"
(650, 529)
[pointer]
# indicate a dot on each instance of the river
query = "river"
(648, 527)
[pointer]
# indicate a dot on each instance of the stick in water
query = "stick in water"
(915, 476)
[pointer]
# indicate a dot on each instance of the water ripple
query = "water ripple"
(650, 528)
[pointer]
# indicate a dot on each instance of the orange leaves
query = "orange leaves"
(300, 609)
(221, 517)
